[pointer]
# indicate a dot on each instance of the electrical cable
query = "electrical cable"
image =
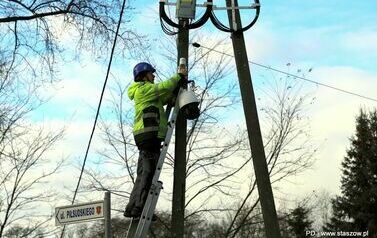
(218, 24)
(197, 45)
(257, 12)
(99, 107)
(204, 18)
(191, 25)
(215, 21)
(165, 17)
(166, 30)
(209, 14)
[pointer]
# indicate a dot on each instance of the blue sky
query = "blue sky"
(333, 33)
(336, 38)
(342, 29)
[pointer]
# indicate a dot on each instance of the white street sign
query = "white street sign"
(79, 213)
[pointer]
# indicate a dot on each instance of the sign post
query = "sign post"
(107, 204)
(79, 213)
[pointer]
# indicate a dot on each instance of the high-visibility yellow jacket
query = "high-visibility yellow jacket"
(150, 120)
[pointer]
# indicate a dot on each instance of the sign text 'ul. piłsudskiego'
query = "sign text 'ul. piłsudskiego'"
(79, 213)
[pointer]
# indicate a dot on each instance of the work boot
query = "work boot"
(134, 212)
(127, 213)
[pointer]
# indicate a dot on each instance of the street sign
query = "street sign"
(79, 213)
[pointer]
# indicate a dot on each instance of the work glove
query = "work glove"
(182, 82)
(182, 71)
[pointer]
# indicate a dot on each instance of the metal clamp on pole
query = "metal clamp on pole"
(186, 9)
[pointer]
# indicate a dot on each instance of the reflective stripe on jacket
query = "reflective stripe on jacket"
(150, 119)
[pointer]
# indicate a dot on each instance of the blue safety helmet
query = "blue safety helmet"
(143, 67)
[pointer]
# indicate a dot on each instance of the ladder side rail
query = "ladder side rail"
(165, 146)
(132, 228)
(148, 211)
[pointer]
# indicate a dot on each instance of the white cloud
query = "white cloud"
(261, 43)
(333, 123)
(363, 40)
(268, 44)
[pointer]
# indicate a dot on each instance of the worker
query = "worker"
(150, 127)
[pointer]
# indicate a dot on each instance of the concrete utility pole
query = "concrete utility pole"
(252, 122)
(186, 10)
(179, 184)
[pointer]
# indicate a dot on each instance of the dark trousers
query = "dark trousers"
(146, 167)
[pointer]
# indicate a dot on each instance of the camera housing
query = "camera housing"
(189, 104)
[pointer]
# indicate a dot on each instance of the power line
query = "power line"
(197, 45)
(99, 107)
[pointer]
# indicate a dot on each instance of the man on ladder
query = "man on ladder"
(150, 127)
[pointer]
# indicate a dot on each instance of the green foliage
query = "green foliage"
(356, 208)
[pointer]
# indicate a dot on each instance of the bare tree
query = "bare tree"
(23, 195)
(36, 35)
(218, 156)
(118, 134)
(322, 210)
(289, 149)
(23, 150)
(24, 145)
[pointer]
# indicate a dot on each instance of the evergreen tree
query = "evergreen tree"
(356, 208)
(297, 222)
